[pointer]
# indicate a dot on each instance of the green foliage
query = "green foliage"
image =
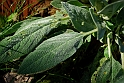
(46, 42)
(51, 52)
(108, 71)
(99, 24)
(26, 36)
(110, 9)
(2, 22)
(57, 3)
(80, 17)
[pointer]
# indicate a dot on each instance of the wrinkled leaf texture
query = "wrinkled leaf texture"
(80, 17)
(108, 71)
(51, 52)
(26, 38)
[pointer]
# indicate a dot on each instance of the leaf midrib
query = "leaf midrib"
(79, 35)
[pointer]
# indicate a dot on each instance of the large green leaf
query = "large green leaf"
(108, 71)
(15, 27)
(27, 38)
(51, 52)
(80, 17)
(24, 41)
(110, 9)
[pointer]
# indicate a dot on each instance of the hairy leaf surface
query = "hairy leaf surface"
(108, 71)
(15, 27)
(80, 17)
(26, 38)
(51, 52)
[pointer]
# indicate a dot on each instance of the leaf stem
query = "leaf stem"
(122, 60)
(89, 32)
(109, 47)
(109, 37)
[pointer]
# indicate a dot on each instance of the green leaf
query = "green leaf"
(12, 17)
(24, 41)
(120, 77)
(15, 27)
(75, 2)
(110, 25)
(106, 52)
(120, 43)
(56, 3)
(108, 71)
(51, 52)
(110, 9)
(99, 24)
(80, 17)
(27, 38)
(98, 4)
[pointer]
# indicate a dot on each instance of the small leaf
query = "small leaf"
(109, 25)
(110, 9)
(80, 17)
(99, 24)
(12, 17)
(56, 3)
(106, 52)
(51, 52)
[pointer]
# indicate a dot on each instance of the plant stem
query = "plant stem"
(109, 36)
(89, 32)
(109, 47)
(122, 60)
